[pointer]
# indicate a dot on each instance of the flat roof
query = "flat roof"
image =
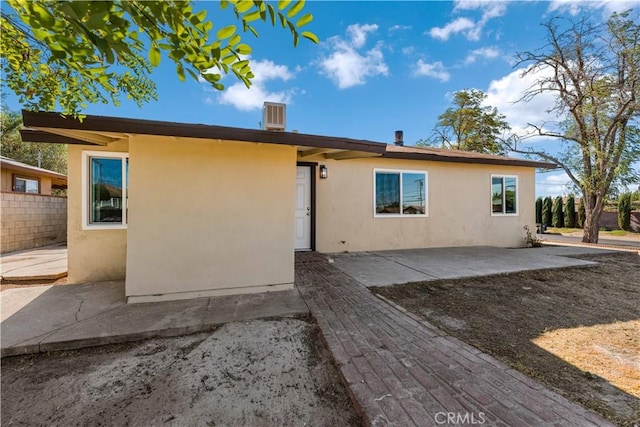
(101, 130)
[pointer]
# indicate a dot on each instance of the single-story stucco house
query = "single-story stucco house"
(18, 177)
(188, 210)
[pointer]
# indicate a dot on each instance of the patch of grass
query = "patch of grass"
(562, 230)
(621, 233)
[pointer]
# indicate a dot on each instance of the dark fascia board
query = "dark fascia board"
(477, 160)
(31, 135)
(188, 130)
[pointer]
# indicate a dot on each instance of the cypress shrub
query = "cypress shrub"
(539, 210)
(582, 214)
(557, 217)
(570, 212)
(624, 211)
(546, 211)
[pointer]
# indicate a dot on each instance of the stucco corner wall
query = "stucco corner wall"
(459, 208)
(93, 255)
(208, 216)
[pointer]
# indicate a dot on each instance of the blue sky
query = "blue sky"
(379, 67)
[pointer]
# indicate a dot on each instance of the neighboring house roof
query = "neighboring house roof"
(57, 179)
(101, 130)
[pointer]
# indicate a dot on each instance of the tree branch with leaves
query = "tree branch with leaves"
(469, 125)
(69, 54)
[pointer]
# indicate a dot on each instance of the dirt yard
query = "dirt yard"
(259, 373)
(576, 330)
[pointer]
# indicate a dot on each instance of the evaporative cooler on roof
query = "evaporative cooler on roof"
(273, 116)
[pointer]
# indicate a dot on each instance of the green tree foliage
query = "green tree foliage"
(570, 212)
(557, 216)
(594, 73)
(539, 210)
(50, 156)
(70, 53)
(624, 211)
(581, 213)
(547, 204)
(469, 125)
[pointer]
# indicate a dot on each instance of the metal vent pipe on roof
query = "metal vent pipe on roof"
(399, 138)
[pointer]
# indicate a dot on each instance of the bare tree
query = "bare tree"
(594, 73)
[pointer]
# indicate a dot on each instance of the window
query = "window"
(26, 185)
(400, 193)
(504, 195)
(105, 178)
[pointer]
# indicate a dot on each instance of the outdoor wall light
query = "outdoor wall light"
(324, 174)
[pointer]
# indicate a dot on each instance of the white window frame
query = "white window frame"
(86, 158)
(504, 194)
(26, 179)
(401, 215)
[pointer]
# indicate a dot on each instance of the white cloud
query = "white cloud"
(553, 184)
(472, 30)
(398, 27)
(347, 65)
(454, 27)
(574, 7)
(434, 69)
(358, 33)
(504, 93)
(245, 99)
(483, 52)
(408, 50)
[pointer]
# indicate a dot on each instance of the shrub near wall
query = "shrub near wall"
(557, 214)
(539, 210)
(546, 211)
(582, 214)
(570, 212)
(32, 220)
(624, 212)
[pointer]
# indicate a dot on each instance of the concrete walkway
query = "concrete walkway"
(403, 371)
(46, 263)
(47, 318)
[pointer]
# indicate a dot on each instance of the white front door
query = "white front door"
(303, 208)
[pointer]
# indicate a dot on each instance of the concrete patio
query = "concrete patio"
(48, 318)
(386, 268)
(46, 263)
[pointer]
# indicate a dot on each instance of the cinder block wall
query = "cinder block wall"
(32, 220)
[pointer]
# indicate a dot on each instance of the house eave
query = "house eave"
(102, 130)
(472, 160)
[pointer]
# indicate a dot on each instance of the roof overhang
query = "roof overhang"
(496, 160)
(101, 130)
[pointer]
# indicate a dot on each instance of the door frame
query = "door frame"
(312, 166)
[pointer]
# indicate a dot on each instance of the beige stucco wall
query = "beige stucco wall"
(208, 215)
(94, 255)
(459, 204)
